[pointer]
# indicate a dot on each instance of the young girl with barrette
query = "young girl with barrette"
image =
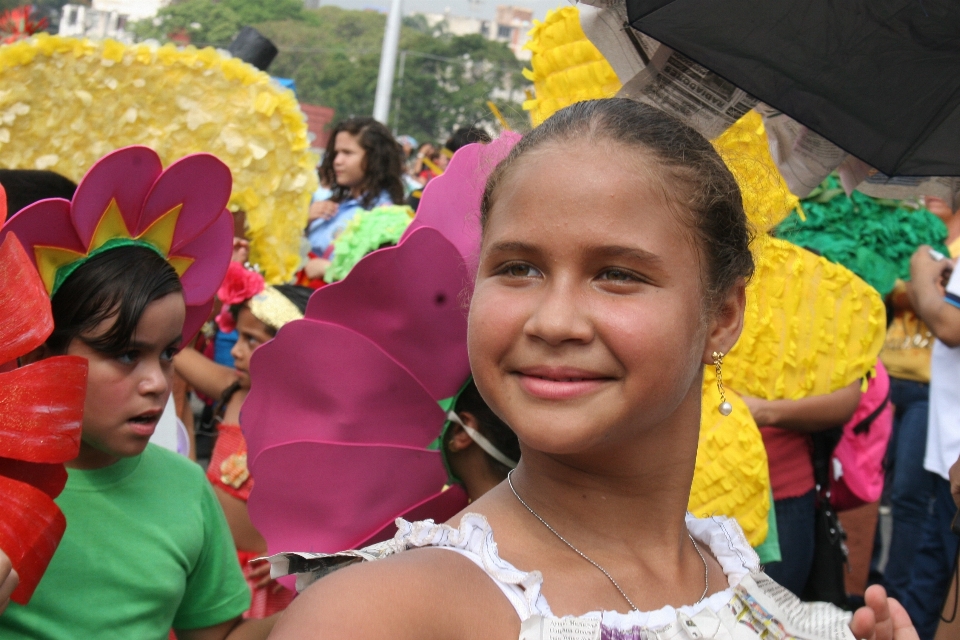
(256, 311)
(611, 271)
(131, 265)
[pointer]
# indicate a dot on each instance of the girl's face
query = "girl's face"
(253, 333)
(126, 393)
(349, 161)
(586, 321)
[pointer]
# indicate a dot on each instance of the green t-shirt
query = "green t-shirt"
(146, 549)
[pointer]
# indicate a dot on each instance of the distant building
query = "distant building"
(132, 9)
(318, 118)
(79, 21)
(511, 26)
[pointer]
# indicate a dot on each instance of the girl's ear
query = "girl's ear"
(727, 322)
(460, 439)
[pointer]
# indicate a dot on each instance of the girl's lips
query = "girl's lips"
(560, 385)
(145, 424)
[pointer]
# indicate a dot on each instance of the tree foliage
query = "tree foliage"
(333, 54)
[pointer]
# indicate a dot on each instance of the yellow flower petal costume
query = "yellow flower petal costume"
(731, 476)
(66, 102)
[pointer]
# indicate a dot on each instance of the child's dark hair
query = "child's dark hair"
(382, 166)
(490, 426)
(117, 283)
(701, 181)
(26, 186)
(467, 135)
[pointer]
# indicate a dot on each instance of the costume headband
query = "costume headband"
(266, 303)
(272, 308)
(128, 199)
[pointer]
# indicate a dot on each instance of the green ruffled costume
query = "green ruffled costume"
(873, 238)
(366, 232)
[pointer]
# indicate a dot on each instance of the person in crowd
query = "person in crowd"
(146, 549)
(418, 163)
(256, 311)
(589, 329)
(407, 145)
(464, 136)
(934, 292)
(26, 186)
(909, 487)
(478, 447)
(130, 504)
(786, 427)
(362, 166)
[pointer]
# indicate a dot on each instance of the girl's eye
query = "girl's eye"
(520, 270)
(128, 357)
(618, 275)
(168, 354)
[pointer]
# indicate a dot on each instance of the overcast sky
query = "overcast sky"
(484, 9)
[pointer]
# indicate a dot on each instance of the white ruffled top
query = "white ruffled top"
(473, 539)
(752, 607)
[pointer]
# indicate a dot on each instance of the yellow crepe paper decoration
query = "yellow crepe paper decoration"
(811, 327)
(766, 198)
(566, 67)
(731, 476)
(66, 102)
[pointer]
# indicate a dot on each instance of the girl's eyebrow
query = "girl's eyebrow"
(617, 251)
(141, 346)
(514, 246)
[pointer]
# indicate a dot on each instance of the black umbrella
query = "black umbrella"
(879, 78)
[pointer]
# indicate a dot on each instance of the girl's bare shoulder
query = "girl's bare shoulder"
(416, 595)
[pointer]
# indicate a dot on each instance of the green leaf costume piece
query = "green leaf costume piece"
(873, 238)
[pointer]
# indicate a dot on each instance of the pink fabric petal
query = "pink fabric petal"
(201, 183)
(326, 497)
(125, 175)
(451, 202)
(46, 223)
(211, 251)
(439, 508)
(197, 315)
(318, 381)
(407, 299)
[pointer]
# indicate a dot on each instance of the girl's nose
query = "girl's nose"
(155, 381)
(560, 316)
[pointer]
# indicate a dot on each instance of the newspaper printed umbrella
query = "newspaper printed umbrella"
(41, 412)
(880, 79)
(346, 403)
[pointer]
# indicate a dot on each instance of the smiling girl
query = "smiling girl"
(612, 269)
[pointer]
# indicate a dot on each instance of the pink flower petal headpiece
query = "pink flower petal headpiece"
(345, 407)
(127, 198)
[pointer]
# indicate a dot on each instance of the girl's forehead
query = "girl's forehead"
(597, 190)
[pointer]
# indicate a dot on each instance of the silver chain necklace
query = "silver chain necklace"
(706, 569)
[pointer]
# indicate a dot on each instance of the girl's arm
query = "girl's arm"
(203, 374)
(809, 415)
(236, 629)
(927, 296)
(8, 580)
